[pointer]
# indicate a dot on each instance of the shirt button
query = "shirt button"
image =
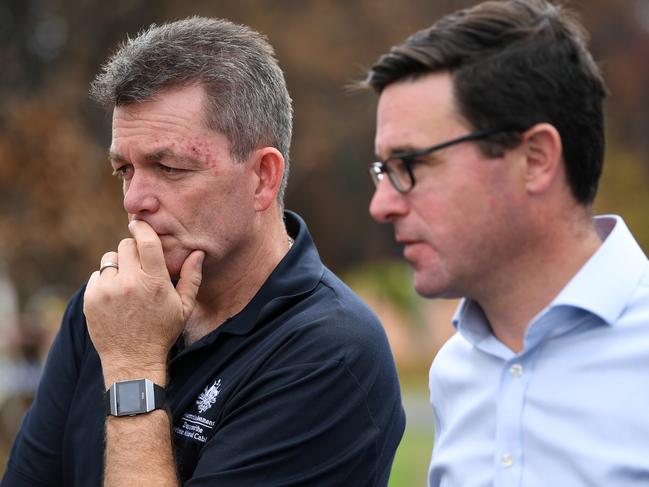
(516, 370)
(506, 460)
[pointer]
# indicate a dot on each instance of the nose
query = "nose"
(140, 194)
(387, 203)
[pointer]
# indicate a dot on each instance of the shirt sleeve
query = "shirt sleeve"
(35, 458)
(301, 425)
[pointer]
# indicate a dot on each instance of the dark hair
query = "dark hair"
(514, 63)
(247, 95)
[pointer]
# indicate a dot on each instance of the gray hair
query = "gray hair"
(248, 100)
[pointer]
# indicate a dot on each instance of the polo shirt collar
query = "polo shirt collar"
(299, 272)
(603, 286)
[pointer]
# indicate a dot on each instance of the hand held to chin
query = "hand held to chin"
(133, 312)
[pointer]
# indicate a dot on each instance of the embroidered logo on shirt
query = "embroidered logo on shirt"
(195, 427)
(208, 396)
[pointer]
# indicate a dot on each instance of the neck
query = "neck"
(230, 285)
(533, 278)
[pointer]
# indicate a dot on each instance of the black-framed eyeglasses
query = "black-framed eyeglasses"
(399, 165)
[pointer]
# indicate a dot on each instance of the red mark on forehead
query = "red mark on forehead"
(199, 149)
(193, 147)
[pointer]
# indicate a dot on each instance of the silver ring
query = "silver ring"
(108, 264)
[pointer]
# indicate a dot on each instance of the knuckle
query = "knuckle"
(108, 255)
(196, 280)
(128, 287)
(126, 243)
(93, 298)
(156, 286)
(148, 244)
(88, 300)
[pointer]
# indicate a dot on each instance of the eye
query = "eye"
(402, 164)
(124, 172)
(412, 160)
(170, 171)
(167, 169)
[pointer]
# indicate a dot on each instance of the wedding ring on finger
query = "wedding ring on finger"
(108, 264)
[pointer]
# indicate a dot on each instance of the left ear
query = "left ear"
(269, 169)
(543, 153)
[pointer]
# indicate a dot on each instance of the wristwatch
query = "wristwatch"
(131, 397)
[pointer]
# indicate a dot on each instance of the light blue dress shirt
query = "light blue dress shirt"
(572, 409)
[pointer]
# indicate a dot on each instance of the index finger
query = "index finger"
(149, 248)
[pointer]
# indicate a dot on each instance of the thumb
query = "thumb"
(191, 275)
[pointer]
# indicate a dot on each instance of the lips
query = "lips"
(159, 230)
(411, 249)
(406, 240)
(410, 246)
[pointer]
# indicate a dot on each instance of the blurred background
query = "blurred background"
(60, 209)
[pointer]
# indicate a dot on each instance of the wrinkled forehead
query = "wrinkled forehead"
(172, 122)
(188, 100)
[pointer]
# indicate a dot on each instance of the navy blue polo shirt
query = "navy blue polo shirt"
(299, 388)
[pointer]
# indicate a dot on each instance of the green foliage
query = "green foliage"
(389, 281)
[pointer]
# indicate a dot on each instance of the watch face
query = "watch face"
(130, 397)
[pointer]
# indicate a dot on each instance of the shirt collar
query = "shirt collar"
(297, 273)
(470, 321)
(603, 286)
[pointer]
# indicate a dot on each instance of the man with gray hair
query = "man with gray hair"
(213, 347)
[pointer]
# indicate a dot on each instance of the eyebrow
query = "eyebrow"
(397, 151)
(159, 155)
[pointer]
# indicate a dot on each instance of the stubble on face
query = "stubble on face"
(454, 222)
(184, 178)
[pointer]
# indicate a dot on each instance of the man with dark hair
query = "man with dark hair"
(213, 347)
(491, 140)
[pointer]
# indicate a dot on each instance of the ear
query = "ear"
(543, 151)
(269, 170)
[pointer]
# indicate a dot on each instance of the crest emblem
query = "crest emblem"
(208, 397)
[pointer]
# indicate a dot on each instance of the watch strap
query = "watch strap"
(159, 396)
(107, 402)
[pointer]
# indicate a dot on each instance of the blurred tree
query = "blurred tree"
(61, 211)
(58, 201)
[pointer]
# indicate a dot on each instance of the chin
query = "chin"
(426, 292)
(430, 286)
(173, 267)
(175, 261)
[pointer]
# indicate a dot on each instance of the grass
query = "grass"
(410, 467)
